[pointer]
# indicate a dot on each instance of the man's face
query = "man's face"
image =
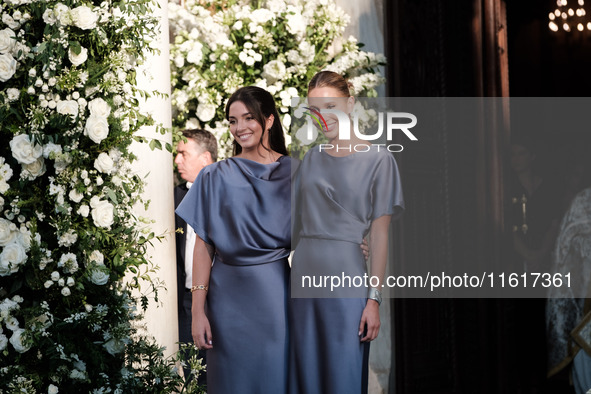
(190, 159)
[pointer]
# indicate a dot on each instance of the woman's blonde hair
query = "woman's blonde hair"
(332, 80)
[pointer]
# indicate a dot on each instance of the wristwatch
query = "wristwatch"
(375, 294)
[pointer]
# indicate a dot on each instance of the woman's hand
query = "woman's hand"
(201, 331)
(364, 248)
(370, 320)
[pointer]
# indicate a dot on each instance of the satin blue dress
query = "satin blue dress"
(238, 206)
(335, 201)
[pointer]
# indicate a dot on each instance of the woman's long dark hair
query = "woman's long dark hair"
(261, 105)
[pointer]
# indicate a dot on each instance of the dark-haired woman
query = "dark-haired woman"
(341, 196)
(239, 209)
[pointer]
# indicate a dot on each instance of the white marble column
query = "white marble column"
(161, 319)
(367, 26)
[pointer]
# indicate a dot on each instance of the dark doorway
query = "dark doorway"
(459, 187)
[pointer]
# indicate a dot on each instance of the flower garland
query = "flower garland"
(278, 45)
(68, 234)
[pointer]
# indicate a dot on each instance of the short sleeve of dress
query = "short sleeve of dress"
(386, 191)
(195, 207)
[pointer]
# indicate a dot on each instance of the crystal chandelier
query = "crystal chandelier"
(569, 18)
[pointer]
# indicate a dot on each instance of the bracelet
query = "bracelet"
(199, 287)
(375, 294)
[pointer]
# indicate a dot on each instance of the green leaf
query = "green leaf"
(75, 47)
(112, 196)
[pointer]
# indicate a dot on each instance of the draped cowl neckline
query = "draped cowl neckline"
(258, 170)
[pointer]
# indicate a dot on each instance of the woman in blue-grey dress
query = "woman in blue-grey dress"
(341, 196)
(237, 208)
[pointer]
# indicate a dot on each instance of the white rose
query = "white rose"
(99, 276)
(67, 107)
(83, 210)
(7, 40)
(99, 107)
(114, 346)
(97, 257)
(12, 323)
(35, 169)
(52, 389)
(13, 94)
(274, 71)
(206, 112)
(70, 281)
(55, 276)
(17, 340)
(102, 214)
(75, 195)
(94, 201)
(23, 150)
(66, 291)
(97, 128)
(3, 342)
(25, 238)
(12, 255)
(47, 284)
(9, 21)
(7, 235)
(78, 59)
(7, 67)
(49, 17)
(84, 18)
(104, 163)
(62, 13)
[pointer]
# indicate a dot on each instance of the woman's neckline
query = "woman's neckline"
(258, 162)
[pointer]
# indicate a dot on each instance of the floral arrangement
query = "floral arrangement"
(68, 234)
(278, 45)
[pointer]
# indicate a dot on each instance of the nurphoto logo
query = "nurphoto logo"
(388, 123)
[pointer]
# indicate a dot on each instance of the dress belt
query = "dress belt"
(326, 237)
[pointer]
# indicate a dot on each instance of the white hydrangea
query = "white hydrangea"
(5, 175)
(68, 263)
(50, 148)
(68, 238)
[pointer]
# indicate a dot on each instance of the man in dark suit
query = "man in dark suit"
(192, 156)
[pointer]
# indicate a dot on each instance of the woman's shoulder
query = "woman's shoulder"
(219, 169)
